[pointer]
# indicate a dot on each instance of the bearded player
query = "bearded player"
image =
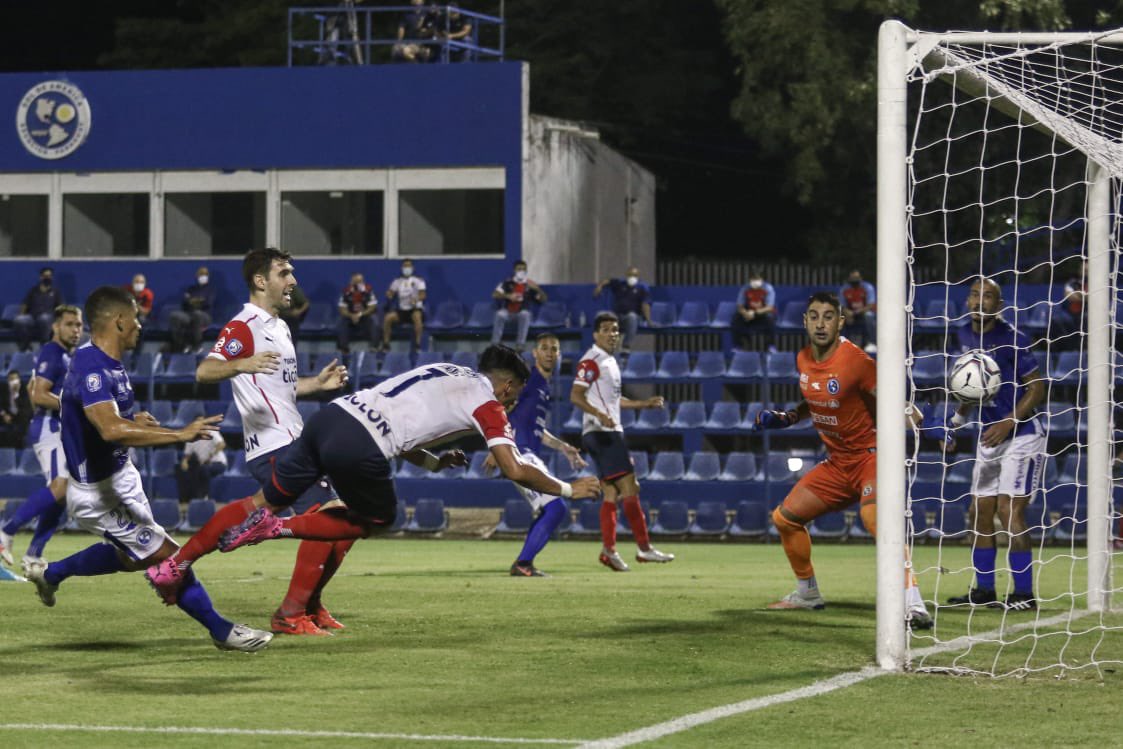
(839, 385)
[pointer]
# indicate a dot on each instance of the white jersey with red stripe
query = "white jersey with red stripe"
(599, 372)
(427, 406)
(267, 402)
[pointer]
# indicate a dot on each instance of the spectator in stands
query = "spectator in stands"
(631, 300)
(357, 306)
(189, 322)
(756, 313)
(513, 297)
(144, 296)
(453, 26)
(415, 29)
(859, 304)
(15, 411)
(37, 312)
(295, 314)
(1068, 314)
(202, 461)
(405, 303)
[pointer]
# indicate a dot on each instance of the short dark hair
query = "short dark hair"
(259, 262)
(14, 372)
(826, 297)
(518, 263)
(105, 300)
(66, 309)
(46, 269)
(604, 317)
(500, 358)
(543, 336)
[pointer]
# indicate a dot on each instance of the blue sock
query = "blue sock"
(983, 560)
(40, 500)
(99, 559)
(1021, 567)
(541, 529)
(194, 600)
(48, 524)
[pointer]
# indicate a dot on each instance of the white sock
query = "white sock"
(807, 588)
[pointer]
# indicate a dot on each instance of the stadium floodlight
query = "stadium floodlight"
(999, 155)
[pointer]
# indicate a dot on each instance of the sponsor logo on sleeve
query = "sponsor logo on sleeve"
(233, 347)
(93, 382)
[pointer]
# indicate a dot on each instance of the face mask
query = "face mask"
(633, 280)
(520, 276)
(407, 270)
(138, 287)
(203, 280)
(45, 282)
(756, 284)
(855, 283)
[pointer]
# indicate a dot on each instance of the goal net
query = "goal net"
(1000, 157)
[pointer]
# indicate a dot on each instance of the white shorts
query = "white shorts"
(117, 510)
(537, 499)
(48, 450)
(1013, 468)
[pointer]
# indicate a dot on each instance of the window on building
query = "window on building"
(105, 225)
(450, 222)
(23, 225)
(213, 223)
(334, 222)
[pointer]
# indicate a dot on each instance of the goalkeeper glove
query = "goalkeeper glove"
(766, 419)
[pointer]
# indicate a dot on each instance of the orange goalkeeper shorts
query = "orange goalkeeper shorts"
(842, 480)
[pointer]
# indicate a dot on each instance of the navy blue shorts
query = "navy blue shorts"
(336, 445)
(610, 453)
(321, 492)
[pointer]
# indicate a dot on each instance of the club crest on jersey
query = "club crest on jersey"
(233, 347)
(867, 490)
(832, 386)
(93, 382)
(144, 536)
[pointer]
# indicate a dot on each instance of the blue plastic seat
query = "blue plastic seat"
(449, 314)
(320, 320)
(164, 461)
(305, 367)
(231, 421)
(427, 358)
(673, 365)
(394, 363)
(236, 463)
(938, 314)
(408, 470)
(704, 466)
(186, 412)
(652, 420)
(830, 525)
(739, 466)
(711, 519)
(28, 464)
(751, 410)
(9, 312)
(950, 522)
(663, 314)
(1060, 420)
(476, 466)
(929, 368)
(469, 359)
(777, 467)
(142, 367)
(307, 408)
(551, 315)
(178, 368)
(515, 517)
(166, 513)
(401, 517)
(690, 415)
(482, 315)
(780, 367)
(693, 315)
(745, 366)
(1037, 320)
(640, 464)
(750, 520)
(724, 315)
(1069, 369)
(162, 411)
(588, 520)
(709, 364)
(725, 416)
(930, 467)
(8, 456)
(199, 511)
(22, 362)
(961, 471)
(791, 318)
(640, 366)
(673, 519)
(668, 466)
(573, 422)
(227, 488)
(429, 516)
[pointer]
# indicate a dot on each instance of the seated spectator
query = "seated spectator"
(357, 306)
(859, 305)
(405, 302)
(189, 322)
(453, 26)
(513, 297)
(37, 312)
(15, 411)
(144, 296)
(631, 301)
(756, 313)
(296, 312)
(1068, 314)
(202, 460)
(414, 31)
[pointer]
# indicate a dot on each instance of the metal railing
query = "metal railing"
(345, 34)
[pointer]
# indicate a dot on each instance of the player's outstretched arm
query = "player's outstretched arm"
(114, 428)
(216, 370)
(332, 377)
(768, 419)
(571, 453)
(532, 478)
(436, 463)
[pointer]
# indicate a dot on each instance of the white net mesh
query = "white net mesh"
(999, 187)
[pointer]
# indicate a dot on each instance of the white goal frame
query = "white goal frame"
(900, 49)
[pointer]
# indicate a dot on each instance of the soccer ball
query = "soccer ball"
(975, 378)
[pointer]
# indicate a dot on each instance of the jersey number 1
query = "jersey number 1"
(429, 374)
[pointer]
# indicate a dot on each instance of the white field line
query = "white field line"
(282, 733)
(686, 722)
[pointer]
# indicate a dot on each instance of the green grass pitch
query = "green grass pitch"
(442, 643)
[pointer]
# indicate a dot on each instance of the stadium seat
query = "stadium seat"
(928, 368)
(640, 366)
(588, 520)
(725, 416)
(950, 522)
(394, 363)
(178, 368)
(162, 411)
(8, 315)
(919, 520)
(23, 362)
(186, 412)
(693, 315)
(668, 466)
(709, 364)
(138, 456)
(199, 511)
(938, 314)
(673, 519)
(28, 464)
(1039, 520)
(777, 467)
(482, 315)
(750, 520)
(739, 466)
(365, 368)
(689, 415)
(710, 519)
(704, 466)
(166, 513)
(10, 507)
(142, 367)
(1074, 468)
(449, 314)
(427, 358)
(780, 367)
(641, 464)
(1060, 420)
(573, 423)
(321, 320)
(401, 517)
(324, 358)
(228, 488)
(236, 463)
(930, 467)
(551, 315)
(8, 458)
(515, 517)
(307, 408)
(429, 516)
(961, 470)
(652, 420)
(662, 314)
(1036, 322)
(1069, 368)
(304, 364)
(476, 467)
(724, 315)
(830, 525)
(791, 318)
(745, 366)
(469, 359)
(232, 421)
(407, 470)
(164, 461)
(673, 365)
(751, 410)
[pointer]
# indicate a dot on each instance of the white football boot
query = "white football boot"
(245, 639)
(35, 572)
(654, 555)
(613, 560)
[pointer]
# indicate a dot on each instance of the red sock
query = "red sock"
(329, 525)
(311, 558)
(634, 512)
(608, 524)
(339, 550)
(206, 539)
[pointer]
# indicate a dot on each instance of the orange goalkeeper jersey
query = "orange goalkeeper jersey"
(836, 390)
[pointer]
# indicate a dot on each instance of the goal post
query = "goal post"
(1067, 88)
